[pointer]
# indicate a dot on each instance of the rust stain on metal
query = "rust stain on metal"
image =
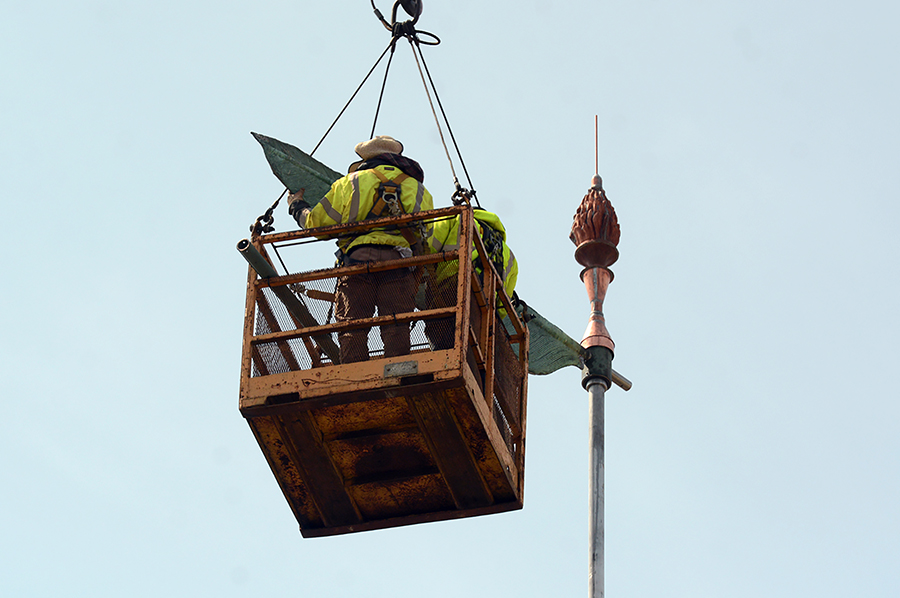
(390, 441)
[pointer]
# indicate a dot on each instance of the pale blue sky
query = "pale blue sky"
(750, 149)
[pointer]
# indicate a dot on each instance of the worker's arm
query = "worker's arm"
(328, 211)
(298, 207)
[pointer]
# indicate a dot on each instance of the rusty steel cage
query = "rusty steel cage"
(436, 433)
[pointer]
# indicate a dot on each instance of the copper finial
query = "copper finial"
(595, 229)
(595, 232)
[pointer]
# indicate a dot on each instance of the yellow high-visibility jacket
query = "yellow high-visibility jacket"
(445, 237)
(352, 198)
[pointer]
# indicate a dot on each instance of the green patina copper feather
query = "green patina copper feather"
(549, 348)
(297, 169)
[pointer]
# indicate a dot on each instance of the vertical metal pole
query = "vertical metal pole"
(595, 232)
(596, 391)
(598, 355)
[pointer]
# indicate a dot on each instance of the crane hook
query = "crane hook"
(406, 28)
(412, 7)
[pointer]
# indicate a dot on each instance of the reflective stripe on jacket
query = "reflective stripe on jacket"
(352, 197)
(445, 237)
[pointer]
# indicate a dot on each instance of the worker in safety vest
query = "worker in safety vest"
(445, 237)
(383, 183)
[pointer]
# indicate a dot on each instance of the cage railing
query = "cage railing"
(278, 339)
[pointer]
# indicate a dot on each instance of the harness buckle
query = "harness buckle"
(389, 192)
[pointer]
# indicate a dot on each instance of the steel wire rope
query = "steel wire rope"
(352, 97)
(263, 224)
(414, 44)
(387, 70)
(433, 111)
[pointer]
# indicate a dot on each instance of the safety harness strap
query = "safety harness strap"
(387, 198)
(493, 243)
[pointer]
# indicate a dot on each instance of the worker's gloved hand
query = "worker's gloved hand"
(298, 208)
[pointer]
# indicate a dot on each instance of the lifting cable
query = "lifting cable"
(405, 29)
(263, 224)
(460, 195)
(383, 85)
(352, 97)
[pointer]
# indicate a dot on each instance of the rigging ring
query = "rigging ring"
(433, 42)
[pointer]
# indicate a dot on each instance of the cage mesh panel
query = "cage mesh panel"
(276, 358)
(263, 305)
(419, 339)
(319, 296)
(503, 425)
(273, 316)
(475, 315)
(507, 376)
(475, 326)
(439, 333)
